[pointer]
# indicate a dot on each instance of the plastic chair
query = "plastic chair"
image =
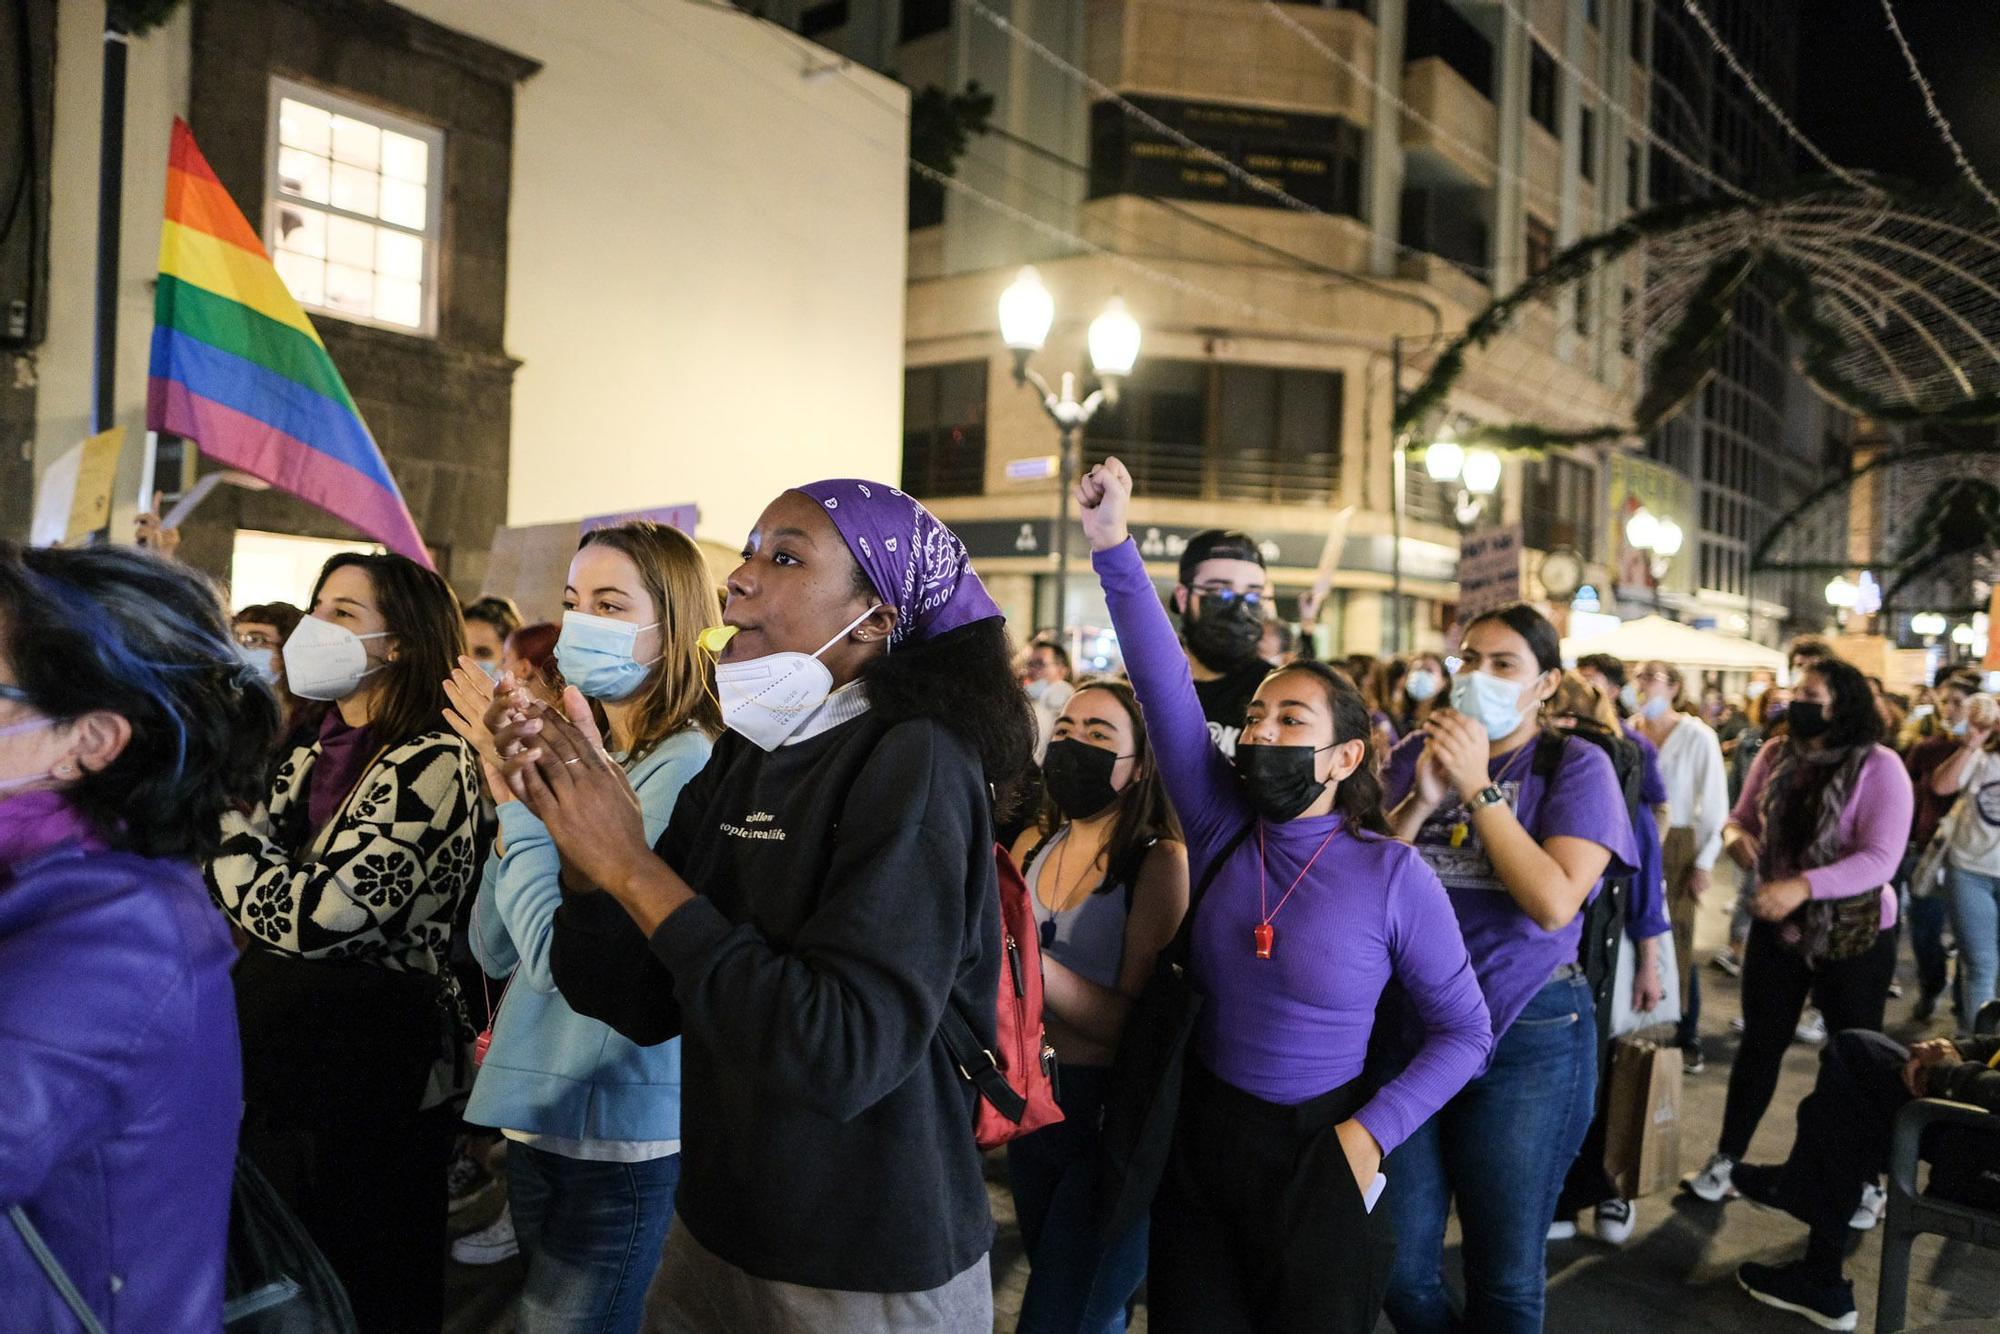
(1909, 1213)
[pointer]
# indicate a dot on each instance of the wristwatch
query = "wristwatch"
(1490, 795)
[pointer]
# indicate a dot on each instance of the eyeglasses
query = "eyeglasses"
(256, 639)
(1229, 597)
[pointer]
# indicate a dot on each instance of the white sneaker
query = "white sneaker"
(1866, 1214)
(1812, 1028)
(1712, 1183)
(1728, 963)
(1561, 1230)
(490, 1245)
(1615, 1221)
(1737, 1025)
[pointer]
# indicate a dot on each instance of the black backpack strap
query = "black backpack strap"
(1548, 754)
(978, 1064)
(1183, 940)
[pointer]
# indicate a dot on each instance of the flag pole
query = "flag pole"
(110, 203)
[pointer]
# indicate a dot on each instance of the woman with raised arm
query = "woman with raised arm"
(1521, 826)
(1271, 1213)
(824, 893)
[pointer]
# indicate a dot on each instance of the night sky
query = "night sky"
(1856, 99)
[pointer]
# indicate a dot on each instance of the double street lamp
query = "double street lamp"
(1476, 471)
(1027, 310)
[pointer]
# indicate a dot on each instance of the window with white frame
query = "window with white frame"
(352, 208)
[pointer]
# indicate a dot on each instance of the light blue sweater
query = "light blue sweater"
(550, 1071)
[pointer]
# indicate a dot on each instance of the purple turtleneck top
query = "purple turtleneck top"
(1289, 1028)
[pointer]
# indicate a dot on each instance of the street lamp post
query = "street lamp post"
(1660, 539)
(1476, 471)
(1026, 312)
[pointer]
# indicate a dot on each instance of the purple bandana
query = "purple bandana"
(917, 565)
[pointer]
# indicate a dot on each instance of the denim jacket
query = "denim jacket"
(551, 1071)
(123, 1089)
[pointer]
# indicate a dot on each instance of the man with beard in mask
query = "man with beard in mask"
(1220, 599)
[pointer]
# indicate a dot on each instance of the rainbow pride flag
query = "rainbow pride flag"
(238, 369)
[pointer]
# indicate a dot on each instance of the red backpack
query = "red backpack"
(1016, 1079)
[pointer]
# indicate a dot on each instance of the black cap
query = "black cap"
(1217, 544)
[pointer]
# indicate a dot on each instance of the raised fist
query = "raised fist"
(1103, 496)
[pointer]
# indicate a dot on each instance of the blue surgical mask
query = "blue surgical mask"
(594, 654)
(1656, 707)
(1493, 702)
(1421, 685)
(1628, 695)
(261, 661)
(492, 670)
(1960, 728)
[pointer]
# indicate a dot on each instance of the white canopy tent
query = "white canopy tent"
(1655, 637)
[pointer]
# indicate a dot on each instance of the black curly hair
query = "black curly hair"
(124, 631)
(964, 680)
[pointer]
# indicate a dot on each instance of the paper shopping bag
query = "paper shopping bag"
(1642, 1142)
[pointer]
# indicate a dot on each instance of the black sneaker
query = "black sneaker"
(1787, 1287)
(1758, 1183)
(1925, 1007)
(1693, 1060)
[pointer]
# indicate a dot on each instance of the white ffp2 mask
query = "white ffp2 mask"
(765, 699)
(326, 661)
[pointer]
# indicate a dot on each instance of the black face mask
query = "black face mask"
(1078, 777)
(1280, 781)
(1222, 636)
(1807, 719)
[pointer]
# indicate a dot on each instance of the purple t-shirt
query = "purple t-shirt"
(1652, 783)
(1514, 957)
(1296, 1025)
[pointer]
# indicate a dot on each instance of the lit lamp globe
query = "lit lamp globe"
(1963, 635)
(1841, 594)
(1114, 341)
(1642, 530)
(1929, 624)
(1026, 312)
(1667, 538)
(1444, 459)
(1482, 472)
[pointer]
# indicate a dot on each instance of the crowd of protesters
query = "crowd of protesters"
(681, 915)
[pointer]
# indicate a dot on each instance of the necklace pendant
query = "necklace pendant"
(1265, 935)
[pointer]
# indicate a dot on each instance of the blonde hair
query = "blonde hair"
(1579, 698)
(1983, 711)
(676, 576)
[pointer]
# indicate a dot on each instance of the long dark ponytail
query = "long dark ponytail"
(1359, 797)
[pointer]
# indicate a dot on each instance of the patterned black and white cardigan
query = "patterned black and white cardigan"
(383, 878)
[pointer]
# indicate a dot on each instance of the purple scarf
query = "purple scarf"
(36, 822)
(343, 753)
(918, 565)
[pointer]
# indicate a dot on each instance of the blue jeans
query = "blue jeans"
(1076, 1283)
(591, 1234)
(1927, 917)
(1975, 920)
(1501, 1148)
